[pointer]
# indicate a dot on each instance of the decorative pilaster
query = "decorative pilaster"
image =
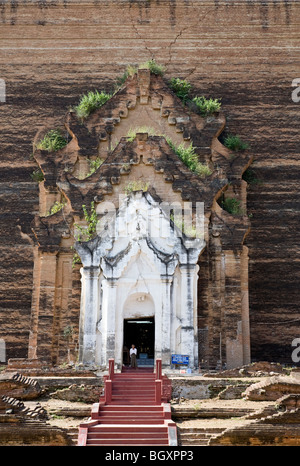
(233, 327)
(188, 314)
(166, 320)
(44, 315)
(245, 305)
(108, 322)
(88, 315)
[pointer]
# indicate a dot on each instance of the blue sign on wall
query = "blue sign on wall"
(180, 359)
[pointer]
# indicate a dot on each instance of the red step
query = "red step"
(134, 376)
(132, 417)
(137, 414)
(132, 429)
(142, 375)
(116, 435)
(133, 390)
(131, 441)
(128, 408)
(125, 435)
(131, 402)
(136, 371)
(126, 421)
(133, 396)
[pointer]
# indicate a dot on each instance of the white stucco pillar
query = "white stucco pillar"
(88, 314)
(108, 323)
(188, 310)
(165, 336)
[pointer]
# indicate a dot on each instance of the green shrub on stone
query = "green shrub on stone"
(189, 157)
(235, 143)
(232, 206)
(154, 67)
(91, 102)
(52, 141)
(181, 88)
(205, 106)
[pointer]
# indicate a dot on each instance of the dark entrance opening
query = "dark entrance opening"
(139, 332)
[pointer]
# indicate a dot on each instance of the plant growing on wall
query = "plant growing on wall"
(235, 143)
(90, 102)
(232, 206)
(137, 185)
(189, 230)
(199, 104)
(130, 71)
(94, 165)
(186, 154)
(250, 177)
(154, 67)
(189, 157)
(37, 175)
(52, 141)
(181, 88)
(87, 232)
(57, 206)
(205, 106)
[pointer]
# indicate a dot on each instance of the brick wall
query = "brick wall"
(244, 52)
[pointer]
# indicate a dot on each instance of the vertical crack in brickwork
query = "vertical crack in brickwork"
(177, 36)
(139, 36)
(187, 28)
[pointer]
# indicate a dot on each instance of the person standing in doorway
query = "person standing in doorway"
(133, 353)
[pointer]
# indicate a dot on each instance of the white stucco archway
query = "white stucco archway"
(118, 269)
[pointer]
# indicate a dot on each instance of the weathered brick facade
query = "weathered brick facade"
(244, 53)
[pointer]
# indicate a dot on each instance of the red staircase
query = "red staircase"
(132, 411)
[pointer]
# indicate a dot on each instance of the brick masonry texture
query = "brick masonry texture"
(244, 52)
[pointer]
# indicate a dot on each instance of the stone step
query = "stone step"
(199, 430)
(197, 436)
(193, 442)
(200, 435)
(218, 413)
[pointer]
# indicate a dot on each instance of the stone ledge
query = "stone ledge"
(204, 388)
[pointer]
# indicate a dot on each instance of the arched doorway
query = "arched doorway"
(139, 328)
(141, 333)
